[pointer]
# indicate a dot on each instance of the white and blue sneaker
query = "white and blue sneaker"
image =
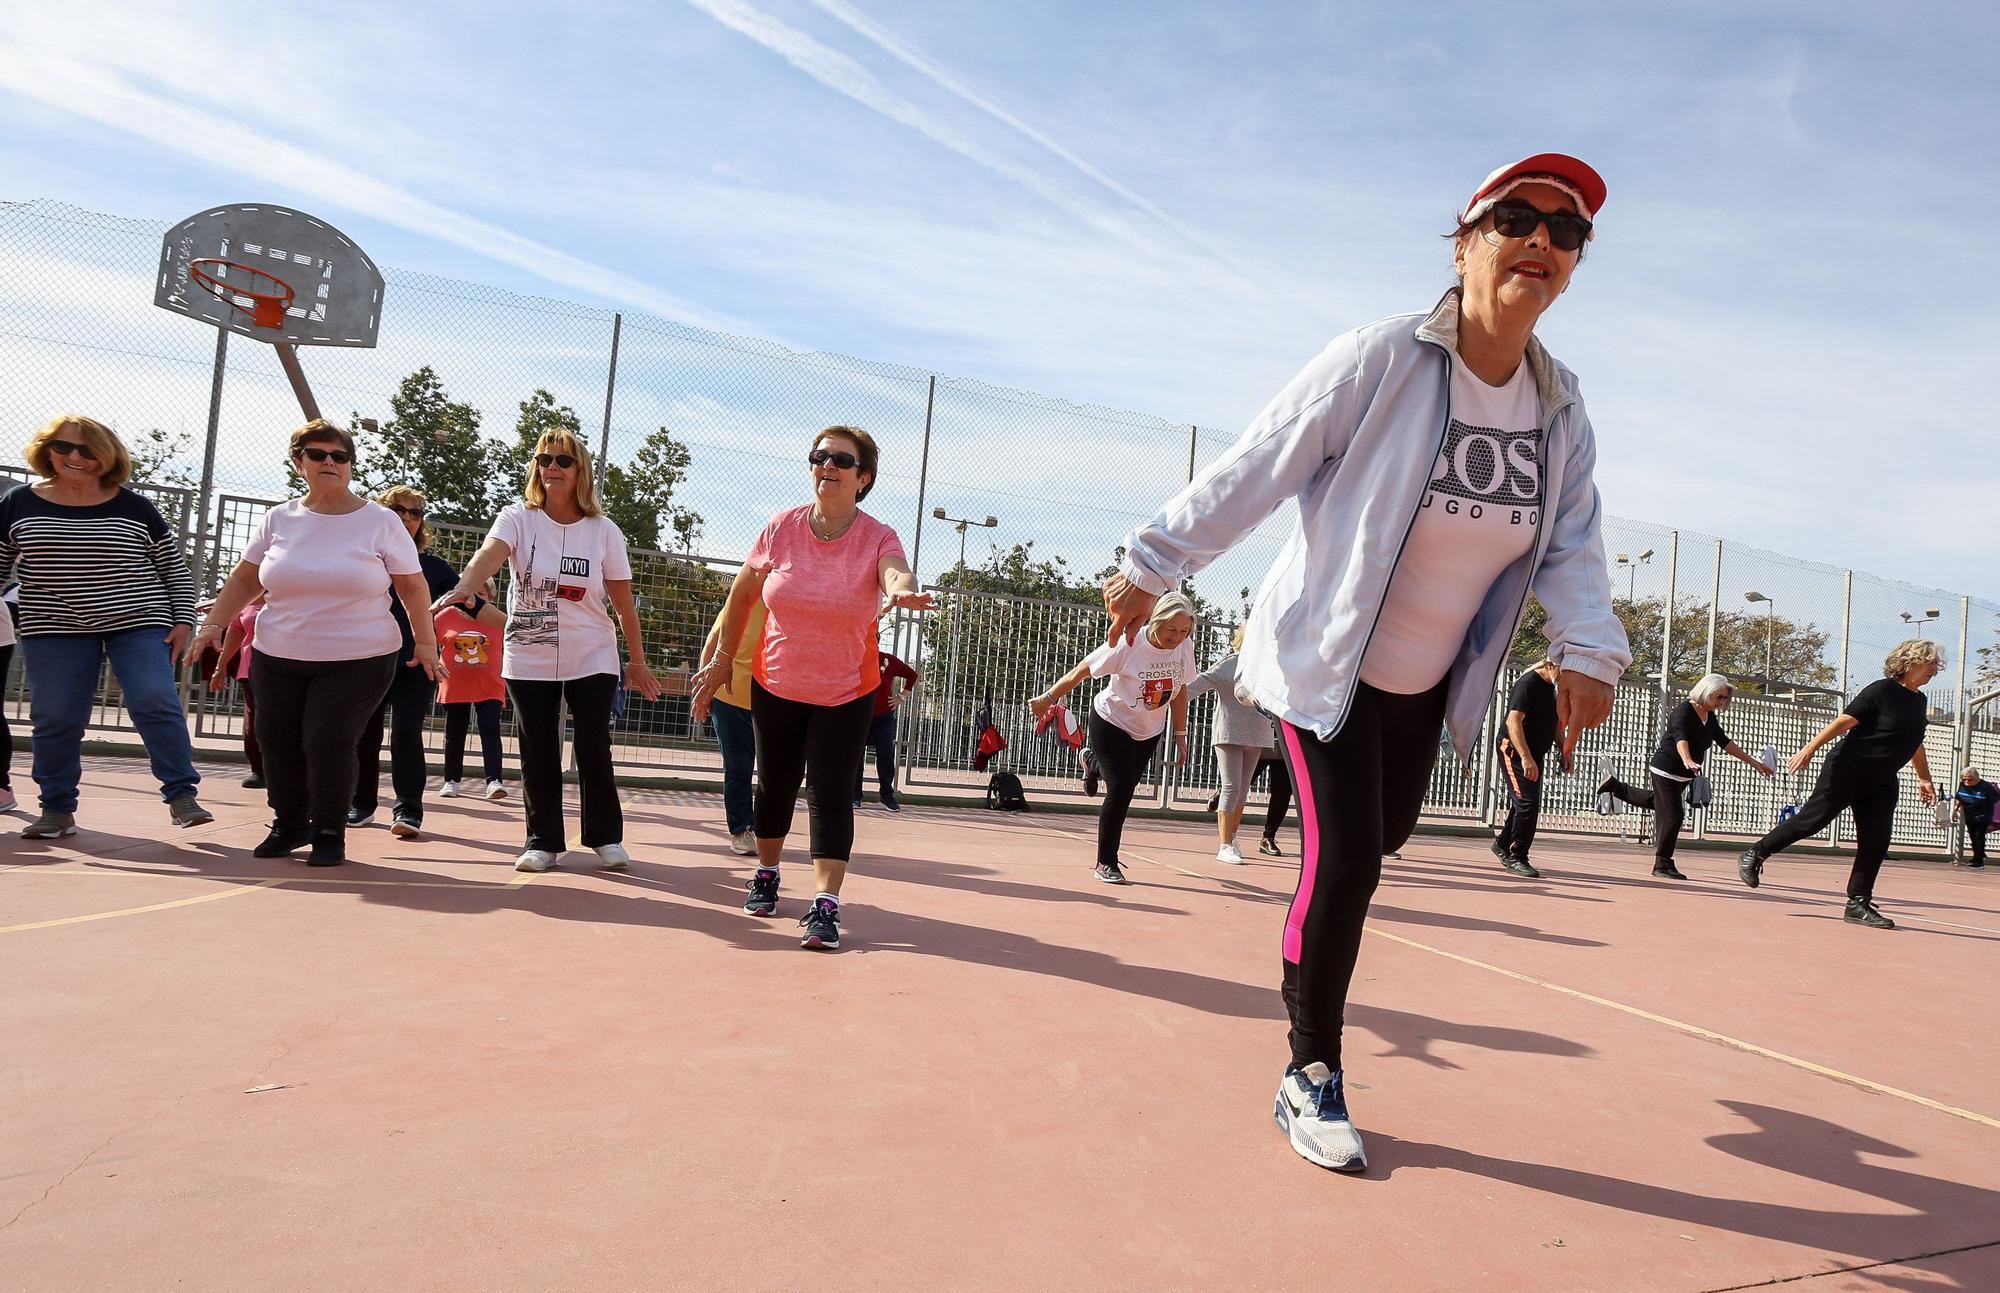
(1311, 1110)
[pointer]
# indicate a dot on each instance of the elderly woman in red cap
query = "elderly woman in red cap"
(1442, 467)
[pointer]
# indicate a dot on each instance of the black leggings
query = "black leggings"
(1871, 793)
(1281, 793)
(820, 745)
(457, 716)
(1668, 800)
(1121, 762)
(1524, 800)
(1975, 831)
(538, 707)
(309, 715)
(406, 707)
(6, 732)
(1359, 796)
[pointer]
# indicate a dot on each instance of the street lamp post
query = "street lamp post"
(1770, 609)
(1920, 621)
(1632, 565)
(961, 524)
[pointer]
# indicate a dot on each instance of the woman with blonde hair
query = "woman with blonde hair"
(1243, 736)
(102, 577)
(566, 558)
(1146, 679)
(1691, 730)
(1881, 729)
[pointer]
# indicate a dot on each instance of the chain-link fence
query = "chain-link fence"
(1064, 481)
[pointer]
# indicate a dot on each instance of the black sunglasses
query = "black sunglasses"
(561, 460)
(63, 448)
(400, 510)
(340, 456)
(1567, 230)
(838, 457)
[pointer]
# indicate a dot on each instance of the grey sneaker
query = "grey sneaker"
(1311, 1109)
(50, 826)
(187, 811)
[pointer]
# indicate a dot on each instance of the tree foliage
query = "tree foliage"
(161, 457)
(1797, 651)
(432, 443)
(639, 496)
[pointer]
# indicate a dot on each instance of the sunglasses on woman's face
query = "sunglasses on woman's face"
(64, 448)
(838, 457)
(400, 510)
(1567, 230)
(340, 456)
(561, 460)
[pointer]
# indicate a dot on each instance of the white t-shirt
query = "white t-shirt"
(1143, 680)
(557, 626)
(326, 580)
(1478, 517)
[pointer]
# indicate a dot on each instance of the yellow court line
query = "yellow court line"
(134, 911)
(332, 881)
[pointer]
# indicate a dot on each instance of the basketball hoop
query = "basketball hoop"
(267, 309)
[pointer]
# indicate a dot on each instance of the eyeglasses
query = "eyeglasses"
(838, 457)
(561, 460)
(340, 456)
(400, 510)
(63, 448)
(1567, 230)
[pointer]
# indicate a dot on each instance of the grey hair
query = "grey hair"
(1711, 686)
(1970, 772)
(1908, 654)
(1169, 605)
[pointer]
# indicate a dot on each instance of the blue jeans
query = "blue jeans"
(62, 677)
(738, 740)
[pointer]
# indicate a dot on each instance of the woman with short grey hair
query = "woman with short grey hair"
(1691, 731)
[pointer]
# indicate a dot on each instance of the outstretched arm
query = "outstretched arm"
(1842, 723)
(1040, 705)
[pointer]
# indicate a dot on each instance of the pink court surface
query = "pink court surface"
(423, 1070)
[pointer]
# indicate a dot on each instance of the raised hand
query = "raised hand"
(1129, 607)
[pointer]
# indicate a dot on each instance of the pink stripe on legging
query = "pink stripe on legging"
(1295, 918)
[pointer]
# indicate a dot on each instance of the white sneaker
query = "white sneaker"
(535, 860)
(494, 790)
(449, 790)
(1229, 853)
(1311, 1109)
(612, 857)
(744, 845)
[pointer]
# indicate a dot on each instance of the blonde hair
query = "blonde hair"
(1236, 638)
(101, 440)
(1908, 654)
(1167, 608)
(406, 495)
(1711, 685)
(560, 441)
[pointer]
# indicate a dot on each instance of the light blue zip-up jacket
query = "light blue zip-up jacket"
(1353, 439)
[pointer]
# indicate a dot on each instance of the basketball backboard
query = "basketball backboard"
(334, 289)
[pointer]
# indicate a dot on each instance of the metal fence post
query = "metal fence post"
(1963, 753)
(610, 389)
(923, 482)
(1194, 433)
(1667, 619)
(1714, 600)
(1846, 633)
(198, 559)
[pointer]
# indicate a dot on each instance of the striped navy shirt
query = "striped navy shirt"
(105, 568)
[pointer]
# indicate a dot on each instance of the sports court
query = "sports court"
(425, 1069)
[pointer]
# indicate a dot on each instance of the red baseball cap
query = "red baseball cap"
(1575, 177)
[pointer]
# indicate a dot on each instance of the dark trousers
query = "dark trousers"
(882, 740)
(1359, 796)
(819, 745)
(1871, 794)
(309, 715)
(1668, 800)
(737, 736)
(405, 708)
(1524, 800)
(6, 732)
(457, 718)
(538, 711)
(1121, 763)
(1974, 830)
(252, 751)
(1281, 793)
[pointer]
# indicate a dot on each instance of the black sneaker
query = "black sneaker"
(1110, 873)
(1978, 863)
(892, 803)
(857, 801)
(1862, 911)
(1668, 871)
(1498, 850)
(1213, 801)
(281, 843)
(253, 782)
(406, 827)
(822, 922)
(1522, 867)
(1089, 771)
(763, 899)
(1749, 867)
(329, 848)
(1269, 848)
(355, 817)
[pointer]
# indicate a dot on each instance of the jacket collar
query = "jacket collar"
(1441, 329)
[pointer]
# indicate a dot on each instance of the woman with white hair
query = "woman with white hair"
(1691, 731)
(1243, 736)
(1145, 680)
(1881, 729)
(1974, 798)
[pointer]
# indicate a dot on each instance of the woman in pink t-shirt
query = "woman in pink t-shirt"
(825, 573)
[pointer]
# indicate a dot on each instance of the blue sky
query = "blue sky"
(1163, 207)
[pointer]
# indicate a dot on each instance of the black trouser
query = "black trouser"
(881, 739)
(309, 715)
(405, 707)
(1359, 796)
(1524, 800)
(1975, 830)
(538, 709)
(251, 750)
(820, 745)
(1667, 798)
(457, 717)
(1871, 793)
(1281, 793)
(6, 732)
(1121, 762)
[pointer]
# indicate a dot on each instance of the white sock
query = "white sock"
(833, 898)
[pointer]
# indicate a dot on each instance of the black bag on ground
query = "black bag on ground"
(1004, 792)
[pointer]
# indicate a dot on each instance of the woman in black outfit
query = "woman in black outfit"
(1692, 729)
(1883, 729)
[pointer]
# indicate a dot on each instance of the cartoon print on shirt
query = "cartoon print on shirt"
(469, 648)
(1484, 473)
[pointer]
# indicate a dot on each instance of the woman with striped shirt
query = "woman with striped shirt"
(101, 577)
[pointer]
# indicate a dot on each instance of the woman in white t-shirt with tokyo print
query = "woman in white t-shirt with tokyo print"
(565, 558)
(1147, 679)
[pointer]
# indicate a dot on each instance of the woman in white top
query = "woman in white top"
(565, 557)
(1147, 679)
(326, 647)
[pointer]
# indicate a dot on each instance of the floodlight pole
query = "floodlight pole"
(288, 356)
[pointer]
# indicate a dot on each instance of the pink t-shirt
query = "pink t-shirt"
(246, 620)
(821, 599)
(326, 581)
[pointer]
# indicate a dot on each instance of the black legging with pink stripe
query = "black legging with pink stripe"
(1359, 796)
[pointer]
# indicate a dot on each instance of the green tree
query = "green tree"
(1798, 651)
(539, 414)
(1988, 658)
(433, 443)
(161, 458)
(640, 497)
